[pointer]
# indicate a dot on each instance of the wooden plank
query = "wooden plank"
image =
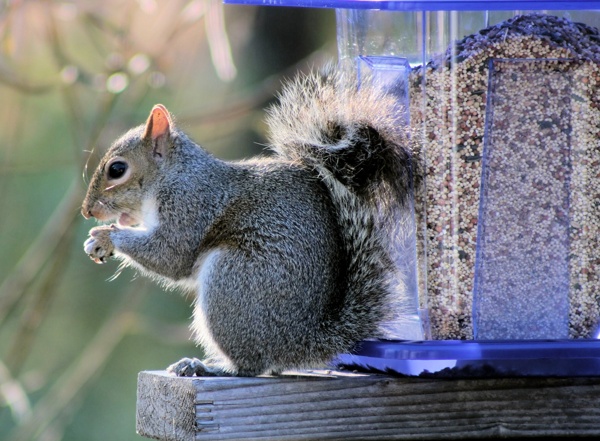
(341, 406)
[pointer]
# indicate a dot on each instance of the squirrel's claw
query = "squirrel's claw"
(188, 367)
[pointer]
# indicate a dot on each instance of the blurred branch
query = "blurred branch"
(60, 226)
(38, 253)
(103, 25)
(61, 60)
(12, 80)
(74, 108)
(31, 319)
(15, 125)
(13, 394)
(92, 22)
(9, 13)
(105, 108)
(162, 331)
(218, 42)
(255, 96)
(77, 378)
(191, 13)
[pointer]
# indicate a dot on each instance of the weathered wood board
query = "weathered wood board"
(342, 406)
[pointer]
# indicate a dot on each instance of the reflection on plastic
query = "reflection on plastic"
(523, 241)
(391, 74)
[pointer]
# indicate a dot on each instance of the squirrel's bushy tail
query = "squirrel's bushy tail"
(355, 140)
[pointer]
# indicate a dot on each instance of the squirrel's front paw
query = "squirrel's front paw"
(99, 246)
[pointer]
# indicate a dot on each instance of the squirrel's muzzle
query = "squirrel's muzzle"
(87, 209)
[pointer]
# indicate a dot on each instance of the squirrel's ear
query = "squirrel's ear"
(158, 129)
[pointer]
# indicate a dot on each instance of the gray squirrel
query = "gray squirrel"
(288, 256)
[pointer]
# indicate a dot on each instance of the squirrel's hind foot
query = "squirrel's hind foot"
(188, 367)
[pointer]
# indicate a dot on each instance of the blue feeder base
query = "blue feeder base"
(476, 358)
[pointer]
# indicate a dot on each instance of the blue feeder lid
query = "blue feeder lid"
(431, 5)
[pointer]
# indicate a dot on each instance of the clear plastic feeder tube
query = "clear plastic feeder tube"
(405, 321)
(488, 267)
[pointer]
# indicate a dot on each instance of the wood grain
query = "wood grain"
(342, 406)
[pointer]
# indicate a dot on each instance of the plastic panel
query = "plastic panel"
(391, 75)
(522, 264)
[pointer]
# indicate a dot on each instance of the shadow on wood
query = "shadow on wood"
(342, 406)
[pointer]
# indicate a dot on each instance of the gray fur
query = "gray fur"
(288, 256)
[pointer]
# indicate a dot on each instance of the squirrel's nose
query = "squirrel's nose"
(87, 213)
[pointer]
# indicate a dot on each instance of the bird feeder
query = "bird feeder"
(501, 256)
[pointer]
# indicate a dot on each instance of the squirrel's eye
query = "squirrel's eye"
(117, 169)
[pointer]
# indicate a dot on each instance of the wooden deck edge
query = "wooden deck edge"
(341, 406)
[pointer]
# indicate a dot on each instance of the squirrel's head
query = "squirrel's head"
(123, 179)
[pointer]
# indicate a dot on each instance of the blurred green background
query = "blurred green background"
(74, 76)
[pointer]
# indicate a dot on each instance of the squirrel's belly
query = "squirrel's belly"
(200, 326)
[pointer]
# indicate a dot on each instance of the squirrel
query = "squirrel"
(288, 255)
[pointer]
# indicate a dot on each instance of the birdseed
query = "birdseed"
(545, 99)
